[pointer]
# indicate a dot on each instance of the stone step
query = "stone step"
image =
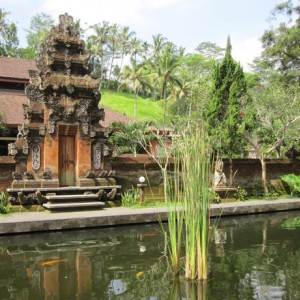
(71, 197)
(73, 205)
(65, 189)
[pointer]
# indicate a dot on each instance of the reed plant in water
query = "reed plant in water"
(175, 214)
(189, 189)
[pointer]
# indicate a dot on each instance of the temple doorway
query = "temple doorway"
(67, 157)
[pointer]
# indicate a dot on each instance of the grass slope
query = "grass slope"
(147, 109)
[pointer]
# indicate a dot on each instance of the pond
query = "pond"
(250, 257)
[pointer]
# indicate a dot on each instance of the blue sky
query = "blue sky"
(186, 23)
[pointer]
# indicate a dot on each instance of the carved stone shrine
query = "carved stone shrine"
(61, 142)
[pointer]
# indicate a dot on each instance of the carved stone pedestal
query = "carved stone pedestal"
(49, 183)
(17, 184)
(32, 183)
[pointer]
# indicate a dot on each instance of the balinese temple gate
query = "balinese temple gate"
(60, 147)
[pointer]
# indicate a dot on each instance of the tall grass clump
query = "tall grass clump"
(175, 214)
(196, 177)
(189, 189)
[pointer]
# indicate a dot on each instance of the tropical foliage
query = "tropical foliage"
(9, 41)
(204, 84)
(130, 138)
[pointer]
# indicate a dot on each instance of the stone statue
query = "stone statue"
(219, 176)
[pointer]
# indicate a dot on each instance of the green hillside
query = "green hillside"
(147, 109)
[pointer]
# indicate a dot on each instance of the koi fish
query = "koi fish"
(139, 275)
(150, 234)
(52, 262)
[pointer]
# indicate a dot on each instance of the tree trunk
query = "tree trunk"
(264, 176)
(135, 107)
(230, 173)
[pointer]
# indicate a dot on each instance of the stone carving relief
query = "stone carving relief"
(36, 157)
(27, 111)
(46, 174)
(33, 93)
(97, 155)
(23, 131)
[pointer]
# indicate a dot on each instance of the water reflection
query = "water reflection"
(250, 258)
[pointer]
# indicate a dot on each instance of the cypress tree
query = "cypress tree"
(227, 113)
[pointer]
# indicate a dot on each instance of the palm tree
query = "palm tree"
(135, 77)
(159, 42)
(168, 74)
(97, 42)
(113, 45)
(138, 48)
(125, 42)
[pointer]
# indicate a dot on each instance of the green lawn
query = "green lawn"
(147, 109)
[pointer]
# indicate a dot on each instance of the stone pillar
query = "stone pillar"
(83, 160)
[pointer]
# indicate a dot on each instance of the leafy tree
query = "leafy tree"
(277, 122)
(210, 50)
(226, 112)
(130, 138)
(40, 26)
(135, 77)
(281, 44)
(9, 41)
(196, 82)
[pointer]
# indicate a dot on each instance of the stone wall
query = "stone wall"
(129, 168)
(7, 166)
(247, 171)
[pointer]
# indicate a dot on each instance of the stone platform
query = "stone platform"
(46, 221)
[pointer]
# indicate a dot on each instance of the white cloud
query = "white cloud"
(162, 3)
(91, 11)
(246, 50)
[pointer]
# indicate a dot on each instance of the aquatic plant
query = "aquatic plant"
(189, 189)
(196, 175)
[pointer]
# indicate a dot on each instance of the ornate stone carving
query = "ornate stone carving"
(105, 150)
(17, 175)
(90, 174)
(97, 155)
(28, 175)
(85, 124)
(46, 174)
(36, 157)
(25, 149)
(12, 149)
(23, 131)
(33, 93)
(27, 112)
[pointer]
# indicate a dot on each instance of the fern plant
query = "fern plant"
(293, 181)
(130, 197)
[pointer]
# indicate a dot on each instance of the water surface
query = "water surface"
(253, 257)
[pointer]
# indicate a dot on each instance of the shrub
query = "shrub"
(130, 197)
(3, 204)
(240, 194)
(293, 181)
